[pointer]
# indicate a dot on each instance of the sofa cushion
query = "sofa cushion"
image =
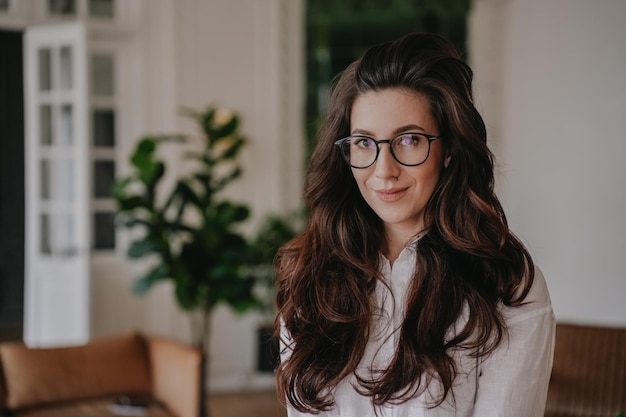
(89, 408)
(108, 366)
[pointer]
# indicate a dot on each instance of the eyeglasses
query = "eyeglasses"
(409, 149)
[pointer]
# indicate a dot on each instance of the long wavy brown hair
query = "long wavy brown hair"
(468, 258)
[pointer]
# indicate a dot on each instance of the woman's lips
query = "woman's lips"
(391, 195)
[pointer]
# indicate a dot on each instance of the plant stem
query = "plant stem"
(205, 346)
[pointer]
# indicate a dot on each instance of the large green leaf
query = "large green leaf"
(132, 202)
(227, 213)
(232, 150)
(186, 295)
(142, 285)
(132, 222)
(149, 170)
(273, 233)
(237, 292)
(152, 173)
(206, 123)
(189, 195)
(140, 248)
(119, 187)
(245, 303)
(227, 129)
(226, 179)
(144, 152)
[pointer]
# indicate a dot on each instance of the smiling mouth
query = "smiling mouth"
(392, 195)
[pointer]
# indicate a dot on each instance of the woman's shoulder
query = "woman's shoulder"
(536, 303)
(538, 293)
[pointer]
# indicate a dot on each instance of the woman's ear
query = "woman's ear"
(446, 161)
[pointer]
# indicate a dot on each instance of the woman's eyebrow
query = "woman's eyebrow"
(361, 132)
(409, 127)
(405, 128)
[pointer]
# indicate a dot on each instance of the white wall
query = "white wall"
(551, 81)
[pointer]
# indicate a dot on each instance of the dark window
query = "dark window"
(104, 128)
(101, 8)
(103, 175)
(62, 7)
(104, 230)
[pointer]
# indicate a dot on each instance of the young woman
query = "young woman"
(408, 295)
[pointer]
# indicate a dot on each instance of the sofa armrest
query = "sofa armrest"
(3, 391)
(176, 375)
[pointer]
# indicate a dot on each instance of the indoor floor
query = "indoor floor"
(248, 404)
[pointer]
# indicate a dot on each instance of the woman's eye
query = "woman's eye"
(363, 142)
(409, 140)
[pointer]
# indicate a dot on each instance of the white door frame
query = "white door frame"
(57, 304)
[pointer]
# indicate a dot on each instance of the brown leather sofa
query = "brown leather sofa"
(589, 372)
(86, 380)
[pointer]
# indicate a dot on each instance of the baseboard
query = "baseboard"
(237, 383)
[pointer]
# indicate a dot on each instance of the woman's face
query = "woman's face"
(398, 194)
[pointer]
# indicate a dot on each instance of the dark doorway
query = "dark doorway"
(11, 186)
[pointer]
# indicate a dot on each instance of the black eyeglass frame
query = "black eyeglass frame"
(428, 137)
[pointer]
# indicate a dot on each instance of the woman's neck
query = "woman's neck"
(396, 239)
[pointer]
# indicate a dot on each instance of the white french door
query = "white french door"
(57, 304)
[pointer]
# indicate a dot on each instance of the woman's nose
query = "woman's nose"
(386, 165)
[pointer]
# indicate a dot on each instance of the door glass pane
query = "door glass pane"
(102, 82)
(66, 68)
(104, 128)
(101, 8)
(67, 244)
(45, 116)
(45, 70)
(104, 174)
(46, 246)
(67, 132)
(46, 179)
(104, 230)
(66, 179)
(62, 7)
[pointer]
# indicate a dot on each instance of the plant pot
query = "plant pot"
(268, 349)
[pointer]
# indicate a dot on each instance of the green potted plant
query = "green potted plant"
(189, 230)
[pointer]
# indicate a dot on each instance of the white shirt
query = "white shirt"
(511, 382)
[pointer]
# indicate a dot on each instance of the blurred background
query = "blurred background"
(549, 81)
